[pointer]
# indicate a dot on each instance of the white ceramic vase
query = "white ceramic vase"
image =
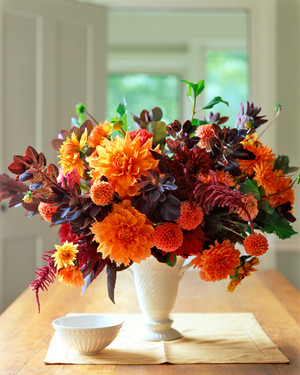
(156, 287)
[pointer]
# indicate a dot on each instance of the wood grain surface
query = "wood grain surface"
(25, 335)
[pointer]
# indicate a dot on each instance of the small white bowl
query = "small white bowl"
(88, 333)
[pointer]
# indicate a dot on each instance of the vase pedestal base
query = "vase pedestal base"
(159, 331)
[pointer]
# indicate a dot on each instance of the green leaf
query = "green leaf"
(197, 87)
(171, 260)
(215, 101)
(282, 163)
(264, 206)
(277, 224)
(251, 187)
(199, 122)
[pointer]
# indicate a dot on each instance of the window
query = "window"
(144, 91)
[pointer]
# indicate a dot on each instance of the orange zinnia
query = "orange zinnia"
(262, 154)
(124, 235)
(265, 177)
(122, 161)
(70, 152)
(98, 134)
(71, 276)
(218, 262)
(284, 192)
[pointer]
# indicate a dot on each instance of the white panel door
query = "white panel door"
(53, 56)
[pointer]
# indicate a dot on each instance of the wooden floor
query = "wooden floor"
(25, 335)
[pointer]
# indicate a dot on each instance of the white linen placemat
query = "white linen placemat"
(207, 338)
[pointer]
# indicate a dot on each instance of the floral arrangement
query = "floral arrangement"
(194, 189)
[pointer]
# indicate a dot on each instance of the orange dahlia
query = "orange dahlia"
(242, 272)
(218, 262)
(262, 154)
(70, 152)
(284, 192)
(122, 161)
(46, 210)
(256, 244)
(65, 255)
(205, 132)
(124, 235)
(251, 206)
(71, 276)
(167, 237)
(102, 193)
(222, 177)
(190, 216)
(265, 177)
(98, 134)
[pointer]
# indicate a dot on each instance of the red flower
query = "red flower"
(144, 135)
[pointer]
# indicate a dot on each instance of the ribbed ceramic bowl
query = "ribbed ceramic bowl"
(88, 333)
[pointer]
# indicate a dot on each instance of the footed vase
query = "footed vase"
(156, 288)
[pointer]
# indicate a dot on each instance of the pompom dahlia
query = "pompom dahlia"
(124, 235)
(256, 244)
(102, 193)
(167, 237)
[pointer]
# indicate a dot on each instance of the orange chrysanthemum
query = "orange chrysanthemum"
(167, 237)
(122, 161)
(256, 244)
(65, 255)
(124, 235)
(70, 152)
(190, 216)
(205, 132)
(46, 210)
(263, 154)
(284, 192)
(218, 262)
(251, 206)
(98, 134)
(71, 276)
(102, 193)
(243, 271)
(265, 177)
(222, 177)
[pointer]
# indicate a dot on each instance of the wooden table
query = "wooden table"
(25, 335)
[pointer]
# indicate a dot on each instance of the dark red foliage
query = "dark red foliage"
(44, 276)
(185, 166)
(215, 194)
